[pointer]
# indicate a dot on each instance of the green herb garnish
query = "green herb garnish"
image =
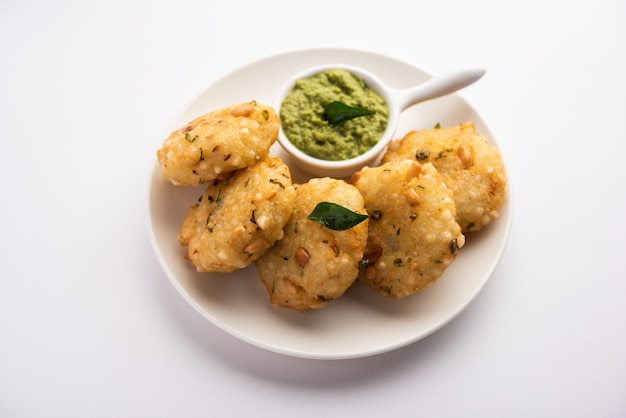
(335, 217)
(337, 113)
(274, 181)
(454, 246)
(421, 155)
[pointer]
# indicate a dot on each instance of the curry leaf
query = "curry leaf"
(337, 113)
(335, 217)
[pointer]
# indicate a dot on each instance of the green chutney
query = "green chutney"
(302, 116)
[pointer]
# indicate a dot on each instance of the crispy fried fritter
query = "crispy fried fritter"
(470, 166)
(312, 265)
(413, 235)
(238, 219)
(218, 142)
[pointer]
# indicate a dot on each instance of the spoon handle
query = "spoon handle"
(438, 86)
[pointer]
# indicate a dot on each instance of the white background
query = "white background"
(91, 326)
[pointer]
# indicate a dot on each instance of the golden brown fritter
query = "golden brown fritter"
(413, 235)
(312, 265)
(238, 219)
(470, 166)
(218, 142)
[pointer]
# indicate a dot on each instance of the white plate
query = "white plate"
(361, 323)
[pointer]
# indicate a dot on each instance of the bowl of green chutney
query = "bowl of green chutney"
(336, 118)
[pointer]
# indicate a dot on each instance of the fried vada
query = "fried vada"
(312, 264)
(219, 142)
(412, 234)
(238, 219)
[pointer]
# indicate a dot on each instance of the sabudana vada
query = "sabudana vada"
(470, 166)
(413, 235)
(218, 142)
(238, 219)
(312, 264)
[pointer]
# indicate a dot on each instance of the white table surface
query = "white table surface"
(91, 326)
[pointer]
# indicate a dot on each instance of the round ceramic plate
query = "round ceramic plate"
(361, 323)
